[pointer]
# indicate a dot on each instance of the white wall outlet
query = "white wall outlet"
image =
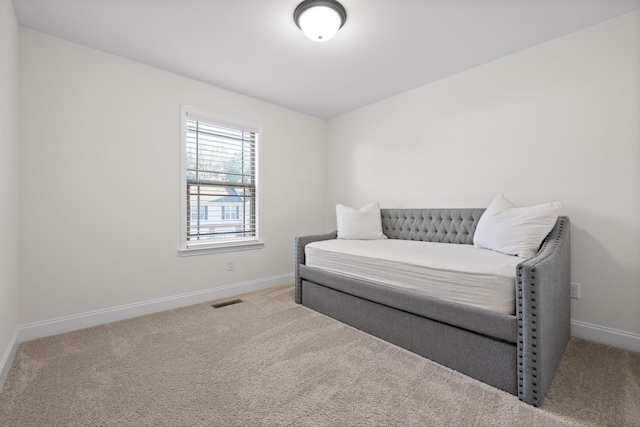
(575, 290)
(230, 265)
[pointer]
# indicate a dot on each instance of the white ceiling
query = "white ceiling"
(253, 47)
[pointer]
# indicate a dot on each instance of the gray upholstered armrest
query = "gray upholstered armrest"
(543, 311)
(300, 243)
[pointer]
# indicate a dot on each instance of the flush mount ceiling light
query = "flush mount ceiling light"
(320, 20)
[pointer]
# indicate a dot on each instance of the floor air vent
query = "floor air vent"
(226, 303)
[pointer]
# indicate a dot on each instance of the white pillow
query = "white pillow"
(363, 224)
(506, 228)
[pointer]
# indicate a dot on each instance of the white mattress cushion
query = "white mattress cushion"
(453, 272)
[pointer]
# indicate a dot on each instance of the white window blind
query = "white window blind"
(220, 182)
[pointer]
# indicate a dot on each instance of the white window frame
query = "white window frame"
(235, 244)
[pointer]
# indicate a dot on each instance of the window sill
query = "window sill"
(230, 247)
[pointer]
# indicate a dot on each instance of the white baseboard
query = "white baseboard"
(603, 335)
(85, 320)
(7, 358)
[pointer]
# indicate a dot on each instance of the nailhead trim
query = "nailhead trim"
(532, 299)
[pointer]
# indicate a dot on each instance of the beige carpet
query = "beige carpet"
(268, 361)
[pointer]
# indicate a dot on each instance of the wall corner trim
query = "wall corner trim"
(7, 357)
(604, 335)
(85, 320)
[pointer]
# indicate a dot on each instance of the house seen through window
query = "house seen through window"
(220, 191)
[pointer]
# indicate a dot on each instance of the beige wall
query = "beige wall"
(8, 178)
(555, 122)
(99, 153)
(559, 121)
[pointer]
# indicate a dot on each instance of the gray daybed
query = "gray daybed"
(517, 353)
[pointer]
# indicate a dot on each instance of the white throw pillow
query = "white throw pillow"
(362, 224)
(506, 228)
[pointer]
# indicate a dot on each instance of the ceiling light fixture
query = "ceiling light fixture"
(320, 20)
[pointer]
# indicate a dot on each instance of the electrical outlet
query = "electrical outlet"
(230, 265)
(575, 290)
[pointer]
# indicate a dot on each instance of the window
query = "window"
(200, 213)
(220, 190)
(230, 212)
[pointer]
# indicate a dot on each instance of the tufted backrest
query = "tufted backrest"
(431, 225)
